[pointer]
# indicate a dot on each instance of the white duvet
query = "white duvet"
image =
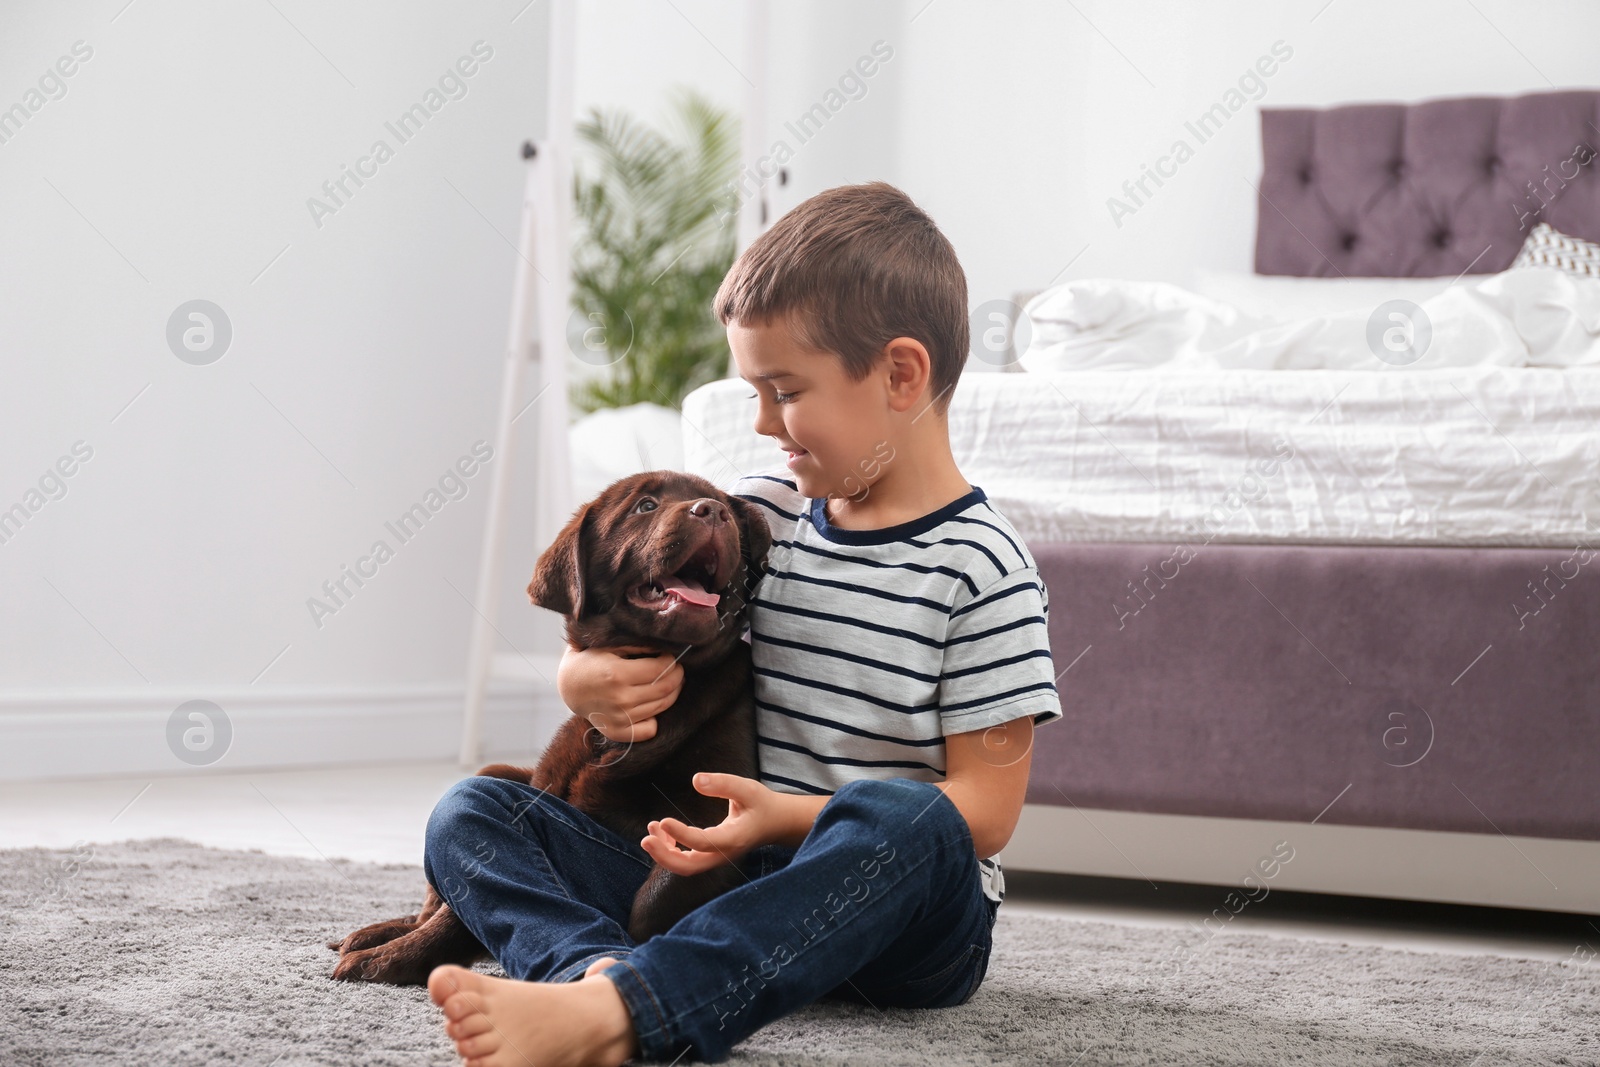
(1530, 317)
(1475, 456)
(1150, 413)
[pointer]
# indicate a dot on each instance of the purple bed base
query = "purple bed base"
(1448, 688)
(1412, 687)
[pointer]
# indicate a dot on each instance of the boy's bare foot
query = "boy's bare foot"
(497, 1022)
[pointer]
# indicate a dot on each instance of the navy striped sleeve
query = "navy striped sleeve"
(997, 664)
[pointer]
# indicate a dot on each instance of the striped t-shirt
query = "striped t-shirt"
(871, 646)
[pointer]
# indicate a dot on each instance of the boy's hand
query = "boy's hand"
(756, 816)
(619, 691)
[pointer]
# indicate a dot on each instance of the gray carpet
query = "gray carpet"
(164, 952)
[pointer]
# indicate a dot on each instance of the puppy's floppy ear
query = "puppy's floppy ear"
(559, 577)
(755, 540)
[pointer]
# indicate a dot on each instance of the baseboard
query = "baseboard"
(110, 733)
(1455, 868)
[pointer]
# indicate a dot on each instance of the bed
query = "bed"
(1300, 593)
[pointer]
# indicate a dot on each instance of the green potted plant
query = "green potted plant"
(653, 241)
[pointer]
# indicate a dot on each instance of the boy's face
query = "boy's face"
(834, 429)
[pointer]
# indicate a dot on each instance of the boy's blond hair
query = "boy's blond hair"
(851, 269)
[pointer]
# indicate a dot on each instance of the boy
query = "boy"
(901, 664)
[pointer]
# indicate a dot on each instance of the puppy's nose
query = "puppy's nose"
(712, 511)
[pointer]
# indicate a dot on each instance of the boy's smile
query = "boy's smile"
(875, 447)
(830, 426)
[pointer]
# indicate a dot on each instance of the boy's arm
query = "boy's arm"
(619, 691)
(998, 684)
(986, 778)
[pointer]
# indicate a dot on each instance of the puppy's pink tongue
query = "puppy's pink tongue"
(689, 591)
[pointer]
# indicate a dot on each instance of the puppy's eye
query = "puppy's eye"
(644, 505)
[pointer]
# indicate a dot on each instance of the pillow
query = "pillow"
(1556, 313)
(1547, 246)
(1106, 324)
(1287, 299)
(1112, 324)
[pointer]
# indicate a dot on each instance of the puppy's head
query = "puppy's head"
(662, 557)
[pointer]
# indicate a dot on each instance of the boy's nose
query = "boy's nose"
(767, 421)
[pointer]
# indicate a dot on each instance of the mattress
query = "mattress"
(1467, 456)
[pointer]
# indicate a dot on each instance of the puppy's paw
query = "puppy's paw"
(374, 935)
(352, 967)
(382, 965)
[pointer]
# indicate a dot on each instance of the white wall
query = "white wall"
(366, 356)
(1014, 122)
(632, 54)
(364, 360)
(1014, 136)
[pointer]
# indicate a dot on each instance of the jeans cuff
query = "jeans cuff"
(649, 1017)
(573, 972)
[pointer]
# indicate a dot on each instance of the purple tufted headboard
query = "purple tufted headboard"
(1424, 190)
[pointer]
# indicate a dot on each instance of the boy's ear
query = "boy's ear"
(558, 578)
(910, 373)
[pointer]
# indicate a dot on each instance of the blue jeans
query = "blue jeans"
(880, 904)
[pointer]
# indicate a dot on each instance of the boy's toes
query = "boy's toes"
(477, 1048)
(464, 987)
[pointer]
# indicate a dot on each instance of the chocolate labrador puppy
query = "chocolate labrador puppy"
(663, 560)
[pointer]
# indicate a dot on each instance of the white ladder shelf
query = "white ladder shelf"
(537, 341)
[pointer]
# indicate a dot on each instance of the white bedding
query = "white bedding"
(1529, 317)
(1471, 456)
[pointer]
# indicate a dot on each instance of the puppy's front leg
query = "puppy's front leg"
(411, 957)
(379, 933)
